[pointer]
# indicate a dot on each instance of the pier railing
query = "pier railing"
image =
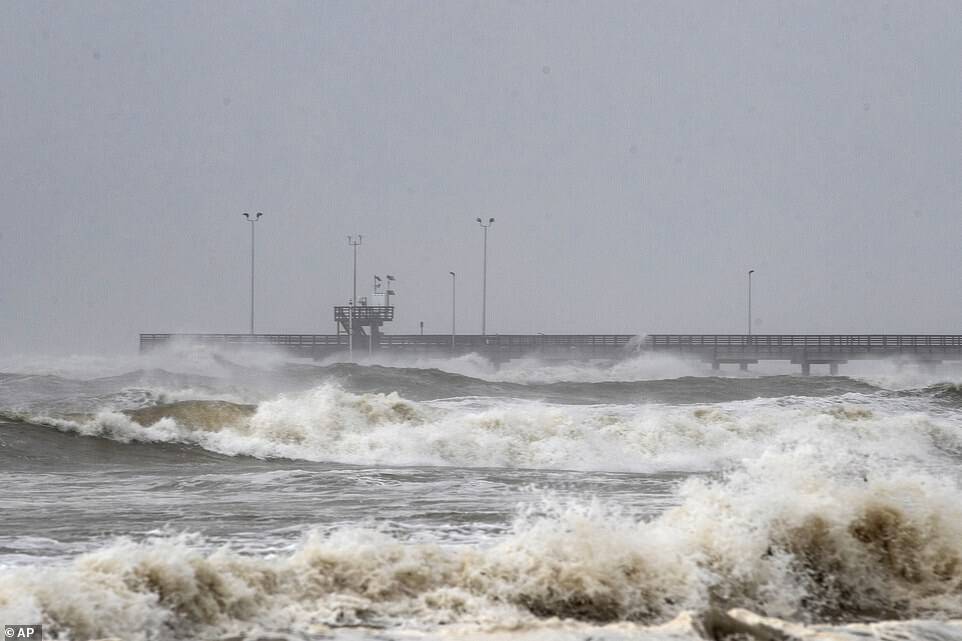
(851, 344)
(148, 341)
(506, 345)
(533, 341)
(815, 348)
(364, 313)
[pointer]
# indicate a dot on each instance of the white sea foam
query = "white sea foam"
(329, 424)
(904, 374)
(533, 370)
(183, 356)
(787, 536)
(191, 358)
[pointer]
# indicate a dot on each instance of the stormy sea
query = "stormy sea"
(190, 494)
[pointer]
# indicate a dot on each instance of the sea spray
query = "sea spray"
(330, 424)
(784, 537)
(269, 499)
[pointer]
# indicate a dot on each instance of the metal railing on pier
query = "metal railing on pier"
(715, 347)
(773, 344)
(512, 345)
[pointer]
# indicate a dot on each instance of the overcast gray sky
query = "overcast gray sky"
(639, 158)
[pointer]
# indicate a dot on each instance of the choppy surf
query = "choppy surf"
(778, 538)
(276, 498)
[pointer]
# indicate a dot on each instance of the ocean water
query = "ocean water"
(195, 495)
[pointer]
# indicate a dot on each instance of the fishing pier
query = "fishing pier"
(805, 350)
(496, 347)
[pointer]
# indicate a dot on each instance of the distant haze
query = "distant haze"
(639, 158)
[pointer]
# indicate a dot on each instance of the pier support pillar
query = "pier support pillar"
(743, 367)
(715, 365)
(833, 369)
(806, 369)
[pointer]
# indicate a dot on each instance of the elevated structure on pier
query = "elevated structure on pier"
(368, 321)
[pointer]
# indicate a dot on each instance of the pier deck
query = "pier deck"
(498, 347)
(808, 349)
(802, 349)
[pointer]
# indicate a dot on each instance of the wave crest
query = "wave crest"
(332, 425)
(778, 538)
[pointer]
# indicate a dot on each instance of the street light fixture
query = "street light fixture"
(354, 243)
(750, 272)
(484, 276)
(252, 219)
(454, 297)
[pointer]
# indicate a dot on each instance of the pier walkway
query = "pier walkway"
(808, 349)
(497, 347)
(802, 349)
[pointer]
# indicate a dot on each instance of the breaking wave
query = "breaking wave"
(333, 425)
(787, 536)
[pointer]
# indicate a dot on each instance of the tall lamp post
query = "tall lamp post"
(750, 272)
(354, 243)
(454, 297)
(252, 219)
(484, 276)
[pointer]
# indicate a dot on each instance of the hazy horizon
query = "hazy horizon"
(638, 158)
